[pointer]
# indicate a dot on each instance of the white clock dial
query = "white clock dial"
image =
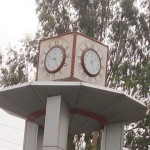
(91, 62)
(54, 59)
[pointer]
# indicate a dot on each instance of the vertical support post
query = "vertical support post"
(40, 138)
(56, 124)
(112, 138)
(30, 136)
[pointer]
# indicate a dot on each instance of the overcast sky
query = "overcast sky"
(17, 18)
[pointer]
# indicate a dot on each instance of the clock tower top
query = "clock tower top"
(72, 57)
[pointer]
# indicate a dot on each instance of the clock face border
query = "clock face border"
(62, 62)
(84, 66)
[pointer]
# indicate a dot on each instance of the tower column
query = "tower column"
(113, 135)
(56, 124)
(30, 136)
(40, 138)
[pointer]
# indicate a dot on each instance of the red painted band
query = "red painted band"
(102, 120)
(89, 114)
(34, 115)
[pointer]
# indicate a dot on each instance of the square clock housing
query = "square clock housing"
(72, 57)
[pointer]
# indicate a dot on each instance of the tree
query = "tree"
(54, 16)
(20, 62)
(13, 71)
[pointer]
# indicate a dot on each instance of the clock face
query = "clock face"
(55, 59)
(91, 62)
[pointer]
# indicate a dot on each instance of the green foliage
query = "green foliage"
(71, 143)
(54, 16)
(139, 138)
(13, 71)
(87, 139)
(129, 58)
(30, 48)
(92, 17)
(20, 63)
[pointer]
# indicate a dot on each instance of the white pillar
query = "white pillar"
(113, 135)
(40, 138)
(56, 124)
(30, 136)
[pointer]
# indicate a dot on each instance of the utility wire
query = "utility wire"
(11, 127)
(11, 142)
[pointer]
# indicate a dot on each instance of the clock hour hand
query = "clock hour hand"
(55, 61)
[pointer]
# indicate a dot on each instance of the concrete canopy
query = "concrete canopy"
(91, 107)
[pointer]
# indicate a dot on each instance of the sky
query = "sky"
(17, 18)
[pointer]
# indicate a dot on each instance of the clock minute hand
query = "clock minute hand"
(92, 66)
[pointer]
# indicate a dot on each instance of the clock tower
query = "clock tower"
(54, 110)
(72, 57)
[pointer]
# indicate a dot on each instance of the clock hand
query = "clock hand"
(92, 66)
(55, 61)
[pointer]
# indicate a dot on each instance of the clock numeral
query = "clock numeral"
(80, 65)
(65, 64)
(79, 57)
(89, 79)
(68, 55)
(92, 46)
(100, 74)
(102, 67)
(50, 46)
(57, 42)
(53, 75)
(43, 69)
(85, 44)
(42, 62)
(95, 79)
(82, 49)
(62, 43)
(67, 48)
(47, 75)
(83, 73)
